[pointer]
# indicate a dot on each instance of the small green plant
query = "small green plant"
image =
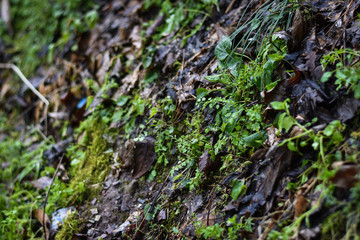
(55, 21)
(179, 15)
(347, 69)
(214, 231)
(17, 197)
(235, 228)
(330, 146)
(232, 230)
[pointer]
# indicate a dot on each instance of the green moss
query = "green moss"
(70, 226)
(94, 165)
(333, 227)
(90, 170)
(344, 223)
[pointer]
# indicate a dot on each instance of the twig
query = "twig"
(229, 7)
(47, 194)
(25, 80)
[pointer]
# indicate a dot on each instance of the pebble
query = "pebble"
(94, 211)
(97, 218)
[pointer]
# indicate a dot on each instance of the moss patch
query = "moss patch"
(70, 226)
(91, 170)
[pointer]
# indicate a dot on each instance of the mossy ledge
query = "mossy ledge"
(87, 174)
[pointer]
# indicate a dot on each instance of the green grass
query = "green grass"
(56, 22)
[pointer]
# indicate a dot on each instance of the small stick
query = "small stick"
(47, 194)
(25, 80)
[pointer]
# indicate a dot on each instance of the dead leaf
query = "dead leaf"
(294, 79)
(43, 219)
(345, 176)
(105, 66)
(206, 164)
(158, 21)
(52, 154)
(161, 216)
(300, 205)
(135, 37)
(130, 80)
(144, 156)
(42, 182)
(126, 154)
(272, 138)
(272, 168)
(298, 30)
(208, 219)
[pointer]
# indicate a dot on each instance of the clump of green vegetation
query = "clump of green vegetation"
(233, 229)
(55, 21)
(18, 198)
(69, 227)
(347, 71)
(90, 165)
(179, 15)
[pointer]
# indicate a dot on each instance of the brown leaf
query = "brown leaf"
(105, 66)
(130, 80)
(144, 156)
(298, 30)
(43, 219)
(272, 138)
(300, 205)
(294, 79)
(345, 177)
(276, 162)
(135, 37)
(208, 219)
(206, 164)
(158, 21)
(41, 183)
(126, 154)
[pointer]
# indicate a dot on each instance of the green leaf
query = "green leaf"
(271, 86)
(201, 92)
(287, 123)
(122, 100)
(276, 57)
(140, 108)
(316, 143)
(325, 77)
(213, 78)
(153, 111)
(175, 230)
(357, 91)
(278, 105)
(91, 18)
(329, 130)
(223, 49)
(337, 137)
(239, 187)
(231, 121)
(254, 138)
(292, 147)
(280, 121)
